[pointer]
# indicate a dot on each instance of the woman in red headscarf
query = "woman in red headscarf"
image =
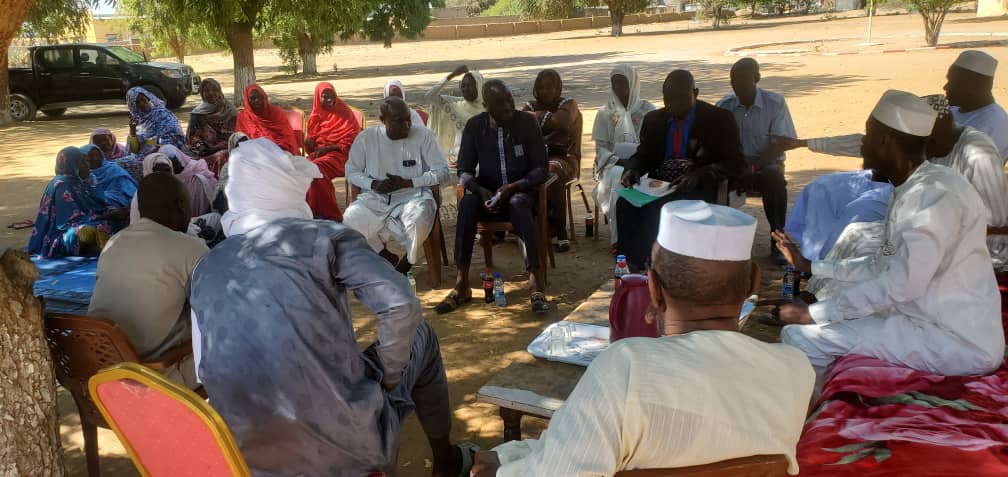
(262, 119)
(332, 128)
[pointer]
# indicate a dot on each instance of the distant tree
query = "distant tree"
(716, 10)
(48, 19)
(618, 9)
(546, 9)
(933, 13)
(166, 28)
(317, 25)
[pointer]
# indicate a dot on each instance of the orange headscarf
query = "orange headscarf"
(332, 126)
(272, 124)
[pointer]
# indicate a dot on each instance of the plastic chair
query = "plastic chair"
(423, 115)
(576, 181)
(363, 124)
(167, 429)
(754, 466)
(436, 238)
(80, 346)
(296, 118)
(486, 229)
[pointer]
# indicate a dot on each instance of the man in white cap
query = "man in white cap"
(927, 299)
(700, 394)
(970, 91)
(278, 354)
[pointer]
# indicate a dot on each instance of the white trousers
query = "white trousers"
(408, 223)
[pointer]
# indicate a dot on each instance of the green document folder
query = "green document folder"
(636, 197)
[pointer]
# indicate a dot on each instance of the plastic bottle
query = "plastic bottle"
(589, 225)
(498, 289)
(412, 281)
(488, 286)
(788, 282)
(621, 269)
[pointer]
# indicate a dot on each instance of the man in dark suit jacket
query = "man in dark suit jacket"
(691, 144)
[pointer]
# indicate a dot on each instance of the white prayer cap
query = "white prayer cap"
(977, 62)
(906, 113)
(697, 229)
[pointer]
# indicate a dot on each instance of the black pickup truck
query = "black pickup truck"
(61, 76)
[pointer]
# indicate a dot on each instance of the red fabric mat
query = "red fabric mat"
(876, 419)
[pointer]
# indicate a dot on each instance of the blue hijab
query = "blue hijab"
(114, 182)
(68, 203)
(158, 124)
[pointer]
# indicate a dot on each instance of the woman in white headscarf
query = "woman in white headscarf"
(449, 114)
(265, 183)
(617, 134)
(395, 88)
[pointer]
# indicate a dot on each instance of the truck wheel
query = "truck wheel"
(22, 108)
(175, 102)
(155, 91)
(54, 113)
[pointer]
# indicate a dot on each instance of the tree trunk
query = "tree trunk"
(717, 18)
(178, 44)
(932, 25)
(15, 12)
(308, 47)
(617, 21)
(239, 39)
(29, 437)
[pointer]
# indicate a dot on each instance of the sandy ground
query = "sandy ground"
(827, 95)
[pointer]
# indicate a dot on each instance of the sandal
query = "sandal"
(469, 451)
(24, 224)
(451, 303)
(539, 302)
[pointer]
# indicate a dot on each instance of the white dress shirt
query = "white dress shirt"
(675, 401)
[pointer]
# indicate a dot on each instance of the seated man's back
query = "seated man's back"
(143, 272)
(675, 401)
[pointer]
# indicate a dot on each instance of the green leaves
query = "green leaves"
(860, 450)
(927, 400)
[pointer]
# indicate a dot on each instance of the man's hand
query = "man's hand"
(630, 177)
(460, 70)
(505, 192)
(692, 179)
(399, 182)
(486, 464)
(382, 186)
(796, 313)
(791, 251)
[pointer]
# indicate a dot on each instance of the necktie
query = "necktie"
(677, 141)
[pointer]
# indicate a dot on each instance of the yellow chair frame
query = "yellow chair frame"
(187, 398)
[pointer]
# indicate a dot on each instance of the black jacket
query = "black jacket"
(713, 142)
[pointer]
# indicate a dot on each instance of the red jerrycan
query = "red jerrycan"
(627, 308)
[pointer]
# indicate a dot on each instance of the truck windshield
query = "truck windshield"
(126, 54)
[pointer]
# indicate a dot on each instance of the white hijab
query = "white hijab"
(621, 115)
(265, 183)
(415, 118)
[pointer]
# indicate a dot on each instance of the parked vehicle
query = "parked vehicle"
(65, 76)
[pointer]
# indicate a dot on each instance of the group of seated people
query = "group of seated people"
(922, 295)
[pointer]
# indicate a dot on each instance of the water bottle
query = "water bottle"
(498, 289)
(412, 281)
(621, 269)
(589, 225)
(788, 282)
(488, 286)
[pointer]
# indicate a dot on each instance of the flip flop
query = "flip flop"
(24, 224)
(539, 302)
(469, 451)
(451, 303)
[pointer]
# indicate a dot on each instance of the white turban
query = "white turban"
(265, 183)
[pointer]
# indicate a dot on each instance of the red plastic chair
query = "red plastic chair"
(167, 429)
(423, 115)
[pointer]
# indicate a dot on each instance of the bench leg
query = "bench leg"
(512, 424)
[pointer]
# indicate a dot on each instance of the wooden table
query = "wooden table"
(539, 387)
